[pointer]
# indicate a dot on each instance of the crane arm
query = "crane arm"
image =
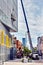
(30, 41)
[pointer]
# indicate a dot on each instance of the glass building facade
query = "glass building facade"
(24, 41)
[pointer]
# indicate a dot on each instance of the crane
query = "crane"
(29, 37)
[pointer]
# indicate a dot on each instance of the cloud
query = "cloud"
(34, 14)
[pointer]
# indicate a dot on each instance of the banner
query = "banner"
(1, 37)
(7, 39)
(7, 42)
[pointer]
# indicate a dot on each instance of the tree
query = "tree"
(35, 49)
(26, 51)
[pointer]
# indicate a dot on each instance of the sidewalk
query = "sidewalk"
(20, 63)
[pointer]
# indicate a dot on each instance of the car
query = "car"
(35, 56)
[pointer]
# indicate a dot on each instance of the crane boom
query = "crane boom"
(30, 41)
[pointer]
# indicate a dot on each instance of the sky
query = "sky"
(34, 14)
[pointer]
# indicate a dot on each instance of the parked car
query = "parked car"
(35, 56)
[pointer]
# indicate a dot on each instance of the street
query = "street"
(21, 32)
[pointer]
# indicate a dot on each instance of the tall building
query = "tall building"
(24, 41)
(40, 45)
(8, 23)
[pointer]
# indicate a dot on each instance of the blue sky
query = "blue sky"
(34, 13)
